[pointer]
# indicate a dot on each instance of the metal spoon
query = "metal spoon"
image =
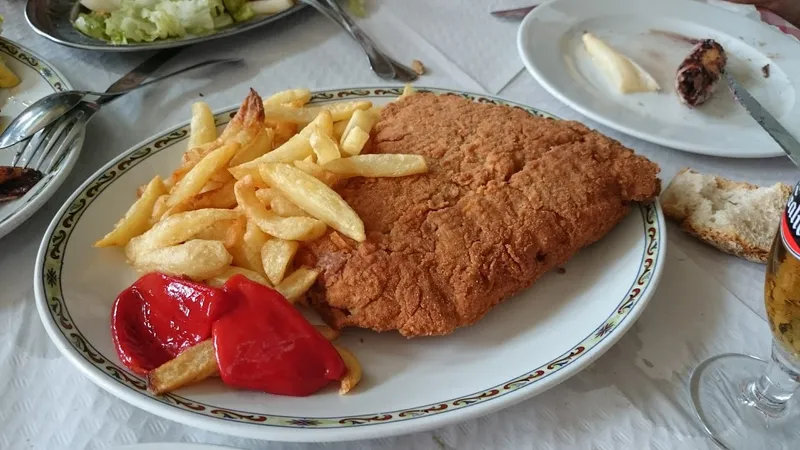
(48, 109)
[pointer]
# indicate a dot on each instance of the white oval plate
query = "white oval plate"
(38, 79)
(522, 348)
(549, 42)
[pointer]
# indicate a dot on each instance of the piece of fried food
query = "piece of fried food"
(507, 198)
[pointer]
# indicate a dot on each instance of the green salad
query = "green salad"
(128, 21)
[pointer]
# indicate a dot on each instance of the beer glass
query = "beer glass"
(742, 401)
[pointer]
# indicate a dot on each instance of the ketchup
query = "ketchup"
(261, 341)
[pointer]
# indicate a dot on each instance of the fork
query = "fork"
(380, 63)
(52, 143)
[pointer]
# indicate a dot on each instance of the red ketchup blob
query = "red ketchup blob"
(266, 344)
(159, 316)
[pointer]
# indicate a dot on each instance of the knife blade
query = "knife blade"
(141, 72)
(769, 123)
(516, 13)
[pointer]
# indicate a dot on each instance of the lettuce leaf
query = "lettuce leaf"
(357, 8)
(149, 20)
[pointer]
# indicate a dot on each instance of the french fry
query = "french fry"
(194, 364)
(294, 97)
(354, 142)
(196, 259)
(222, 278)
(363, 119)
(304, 116)
(353, 375)
(176, 229)
(235, 233)
(247, 252)
(324, 147)
(338, 129)
(283, 132)
(201, 173)
(259, 146)
(408, 91)
(297, 283)
(229, 232)
(190, 158)
(284, 113)
(289, 228)
(317, 172)
(276, 257)
(315, 198)
(137, 219)
(217, 180)
(218, 231)
(378, 165)
(202, 128)
(323, 123)
(159, 208)
(294, 149)
(265, 195)
(283, 207)
(219, 198)
(328, 332)
(343, 110)
(247, 123)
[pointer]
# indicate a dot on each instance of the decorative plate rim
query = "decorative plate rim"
(47, 187)
(113, 377)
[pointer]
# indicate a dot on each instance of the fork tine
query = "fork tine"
(28, 149)
(52, 137)
(63, 148)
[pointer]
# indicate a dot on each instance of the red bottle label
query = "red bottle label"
(790, 223)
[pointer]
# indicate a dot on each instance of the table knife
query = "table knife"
(769, 123)
(142, 71)
(516, 13)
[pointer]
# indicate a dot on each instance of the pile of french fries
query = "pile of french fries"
(244, 201)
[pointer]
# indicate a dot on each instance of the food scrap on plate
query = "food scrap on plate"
(16, 181)
(623, 73)
(700, 72)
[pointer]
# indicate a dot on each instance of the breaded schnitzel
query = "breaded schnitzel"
(509, 196)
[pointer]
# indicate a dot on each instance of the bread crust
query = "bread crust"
(730, 243)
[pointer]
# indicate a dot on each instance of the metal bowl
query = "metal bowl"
(53, 20)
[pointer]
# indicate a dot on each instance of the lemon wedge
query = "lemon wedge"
(622, 72)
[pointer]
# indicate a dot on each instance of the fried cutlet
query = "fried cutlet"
(509, 196)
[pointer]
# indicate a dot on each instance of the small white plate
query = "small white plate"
(38, 79)
(521, 348)
(550, 45)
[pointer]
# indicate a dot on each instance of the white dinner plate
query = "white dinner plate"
(38, 79)
(549, 42)
(527, 345)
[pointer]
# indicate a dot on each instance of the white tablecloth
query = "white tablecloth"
(634, 397)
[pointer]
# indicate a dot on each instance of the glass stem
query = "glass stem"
(770, 392)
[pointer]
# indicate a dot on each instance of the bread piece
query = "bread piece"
(735, 217)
